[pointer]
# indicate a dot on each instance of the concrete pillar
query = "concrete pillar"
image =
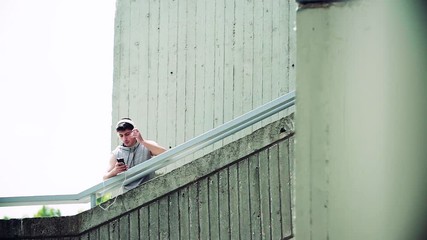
(361, 111)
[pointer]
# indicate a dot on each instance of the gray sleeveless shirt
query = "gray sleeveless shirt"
(134, 155)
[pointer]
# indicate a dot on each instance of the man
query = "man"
(134, 150)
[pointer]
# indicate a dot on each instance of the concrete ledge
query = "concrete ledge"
(74, 226)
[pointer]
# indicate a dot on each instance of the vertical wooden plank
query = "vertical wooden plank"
(292, 42)
(277, 61)
(276, 225)
(189, 66)
(200, 65)
(285, 188)
(184, 218)
(124, 227)
(204, 208)
(209, 68)
(257, 61)
(181, 72)
(116, 75)
(283, 29)
(171, 68)
(84, 236)
(144, 222)
(153, 69)
(224, 202)
(238, 61)
(244, 200)
(164, 218)
(190, 72)
(134, 225)
(144, 33)
(120, 27)
(214, 207)
(200, 70)
(277, 53)
(267, 55)
(94, 234)
(228, 63)
(163, 74)
(248, 57)
(154, 220)
(219, 67)
(104, 232)
(174, 221)
(284, 32)
(193, 200)
(292, 47)
(234, 201)
(114, 229)
(124, 100)
(264, 186)
(254, 189)
(292, 178)
(134, 43)
(176, 77)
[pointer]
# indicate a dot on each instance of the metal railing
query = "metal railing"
(161, 160)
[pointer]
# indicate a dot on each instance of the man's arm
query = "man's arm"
(153, 146)
(115, 168)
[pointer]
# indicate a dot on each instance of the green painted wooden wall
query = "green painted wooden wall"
(183, 67)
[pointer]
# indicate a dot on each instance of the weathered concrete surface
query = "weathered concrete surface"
(361, 116)
(98, 222)
(39, 227)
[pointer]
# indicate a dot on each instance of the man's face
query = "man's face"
(126, 137)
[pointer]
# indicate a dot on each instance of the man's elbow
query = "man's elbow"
(159, 151)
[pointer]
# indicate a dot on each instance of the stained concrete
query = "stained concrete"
(81, 224)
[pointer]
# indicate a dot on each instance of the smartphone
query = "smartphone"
(121, 160)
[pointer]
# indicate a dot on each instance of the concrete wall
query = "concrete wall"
(361, 110)
(240, 191)
(184, 67)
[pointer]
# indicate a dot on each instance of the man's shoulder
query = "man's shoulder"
(118, 149)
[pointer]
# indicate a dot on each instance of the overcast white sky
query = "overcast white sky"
(56, 70)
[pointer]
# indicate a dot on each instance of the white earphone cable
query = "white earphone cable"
(115, 197)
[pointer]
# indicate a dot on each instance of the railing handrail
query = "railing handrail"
(163, 159)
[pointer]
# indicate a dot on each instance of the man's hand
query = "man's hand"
(120, 167)
(115, 167)
(154, 148)
(136, 134)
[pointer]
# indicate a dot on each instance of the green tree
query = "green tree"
(6, 218)
(47, 212)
